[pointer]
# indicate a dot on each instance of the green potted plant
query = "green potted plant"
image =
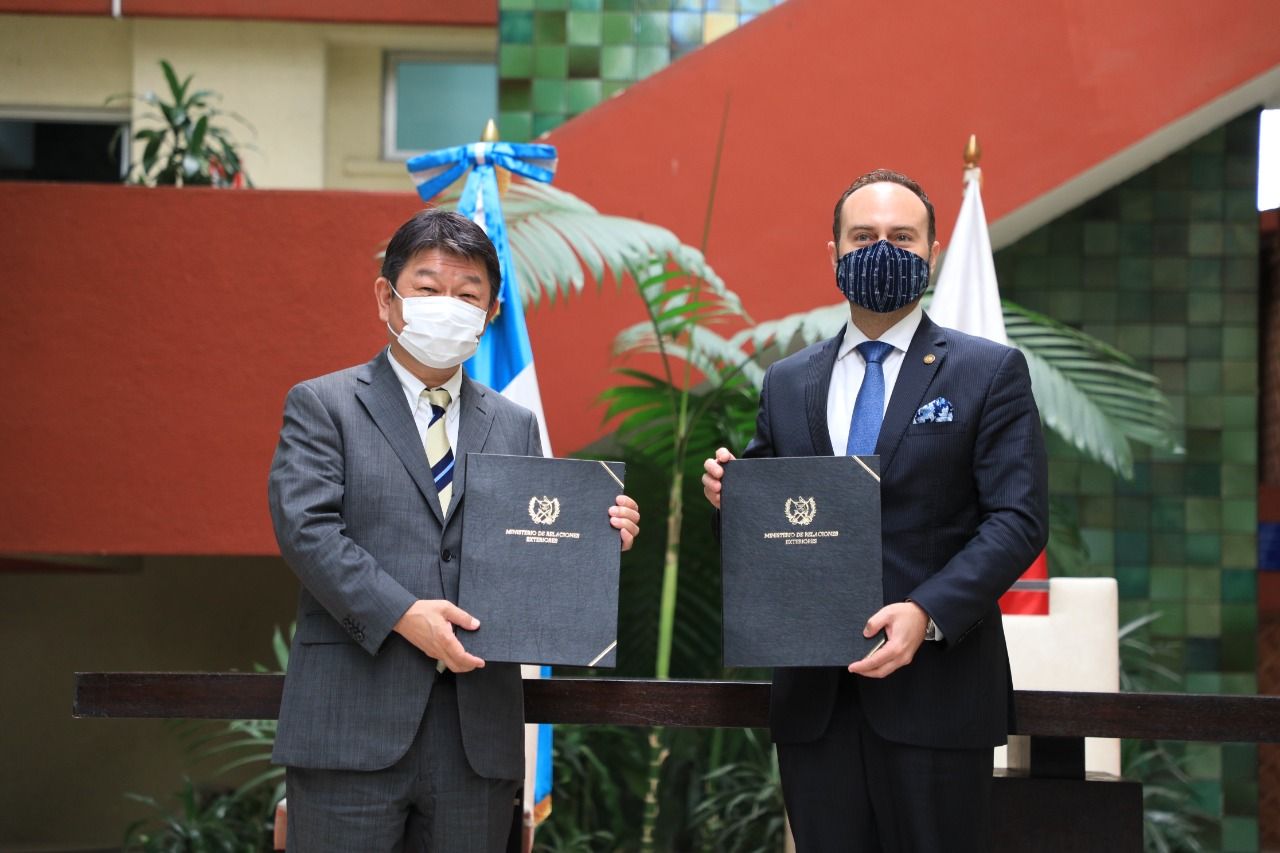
(187, 142)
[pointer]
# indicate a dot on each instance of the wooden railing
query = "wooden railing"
(1039, 807)
(697, 704)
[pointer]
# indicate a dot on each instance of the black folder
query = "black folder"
(800, 559)
(539, 562)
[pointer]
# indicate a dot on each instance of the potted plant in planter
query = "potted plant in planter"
(190, 144)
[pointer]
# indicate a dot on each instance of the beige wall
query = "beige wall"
(272, 74)
(353, 128)
(313, 92)
(64, 779)
(63, 61)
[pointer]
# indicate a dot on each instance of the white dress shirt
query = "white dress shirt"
(421, 408)
(846, 375)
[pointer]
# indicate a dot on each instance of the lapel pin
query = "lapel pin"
(930, 358)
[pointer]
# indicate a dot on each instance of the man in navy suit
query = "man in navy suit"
(895, 753)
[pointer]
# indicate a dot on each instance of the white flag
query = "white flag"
(966, 296)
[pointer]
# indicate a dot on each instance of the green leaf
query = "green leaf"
(149, 153)
(256, 758)
(558, 240)
(1089, 393)
(795, 331)
(281, 647)
(269, 775)
(176, 118)
(625, 403)
(200, 97)
(171, 78)
(196, 144)
(714, 356)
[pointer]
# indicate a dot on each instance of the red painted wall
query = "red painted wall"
(820, 91)
(458, 12)
(149, 337)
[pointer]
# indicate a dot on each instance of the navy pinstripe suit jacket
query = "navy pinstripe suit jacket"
(964, 510)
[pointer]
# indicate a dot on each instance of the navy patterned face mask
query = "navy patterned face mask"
(882, 277)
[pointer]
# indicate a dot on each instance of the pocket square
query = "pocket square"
(934, 412)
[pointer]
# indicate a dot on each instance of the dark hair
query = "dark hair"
(883, 176)
(449, 232)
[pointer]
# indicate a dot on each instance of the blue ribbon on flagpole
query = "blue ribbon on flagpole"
(504, 350)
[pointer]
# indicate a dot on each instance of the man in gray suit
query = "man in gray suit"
(393, 735)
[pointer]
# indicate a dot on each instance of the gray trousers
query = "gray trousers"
(430, 800)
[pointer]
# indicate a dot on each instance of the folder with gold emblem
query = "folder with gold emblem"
(539, 561)
(800, 559)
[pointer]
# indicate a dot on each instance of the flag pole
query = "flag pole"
(1026, 596)
(537, 781)
(503, 175)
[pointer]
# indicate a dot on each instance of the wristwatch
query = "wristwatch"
(931, 632)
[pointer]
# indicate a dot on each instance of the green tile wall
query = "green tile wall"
(1165, 267)
(558, 58)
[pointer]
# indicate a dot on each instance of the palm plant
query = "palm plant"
(667, 421)
(188, 144)
(203, 823)
(599, 776)
(1090, 394)
(231, 821)
(246, 743)
(741, 810)
(1172, 820)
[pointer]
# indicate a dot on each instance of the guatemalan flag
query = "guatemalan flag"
(967, 298)
(504, 360)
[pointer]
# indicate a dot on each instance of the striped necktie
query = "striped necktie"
(439, 454)
(868, 409)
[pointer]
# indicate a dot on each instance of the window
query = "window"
(1269, 160)
(436, 101)
(63, 145)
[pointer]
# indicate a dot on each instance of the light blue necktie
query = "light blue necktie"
(868, 409)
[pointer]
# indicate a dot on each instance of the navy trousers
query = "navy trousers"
(851, 790)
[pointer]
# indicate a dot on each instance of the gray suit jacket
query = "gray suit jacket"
(358, 518)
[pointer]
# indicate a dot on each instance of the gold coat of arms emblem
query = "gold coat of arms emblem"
(544, 510)
(801, 510)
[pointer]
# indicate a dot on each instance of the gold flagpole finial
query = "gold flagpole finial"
(504, 176)
(972, 152)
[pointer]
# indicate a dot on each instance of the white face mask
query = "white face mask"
(439, 331)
